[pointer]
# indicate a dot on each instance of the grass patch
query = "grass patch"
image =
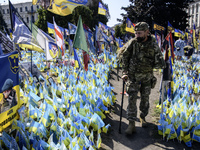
(156, 112)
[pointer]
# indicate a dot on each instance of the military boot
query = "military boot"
(143, 122)
(131, 128)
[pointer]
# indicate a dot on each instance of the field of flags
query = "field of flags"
(65, 114)
(181, 109)
(64, 107)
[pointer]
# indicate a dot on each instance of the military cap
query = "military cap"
(141, 26)
(8, 84)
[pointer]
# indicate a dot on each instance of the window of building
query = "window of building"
(196, 22)
(16, 9)
(193, 9)
(192, 20)
(27, 20)
(189, 11)
(26, 8)
(33, 19)
(7, 11)
(197, 8)
(3, 11)
(32, 8)
(20, 9)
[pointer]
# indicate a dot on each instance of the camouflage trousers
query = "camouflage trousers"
(132, 89)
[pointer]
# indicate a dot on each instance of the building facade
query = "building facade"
(24, 9)
(194, 13)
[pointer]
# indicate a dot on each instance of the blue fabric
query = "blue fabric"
(179, 44)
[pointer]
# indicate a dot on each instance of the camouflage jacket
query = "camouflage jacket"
(139, 59)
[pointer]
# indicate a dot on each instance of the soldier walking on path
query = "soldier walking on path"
(140, 56)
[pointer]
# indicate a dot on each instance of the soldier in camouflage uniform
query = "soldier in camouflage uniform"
(9, 96)
(140, 56)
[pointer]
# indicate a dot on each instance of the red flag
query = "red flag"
(86, 59)
(172, 45)
(169, 38)
(59, 37)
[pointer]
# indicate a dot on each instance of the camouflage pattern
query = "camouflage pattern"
(138, 62)
(141, 26)
(7, 103)
(145, 89)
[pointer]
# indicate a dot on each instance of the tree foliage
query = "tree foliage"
(85, 13)
(120, 30)
(93, 6)
(45, 16)
(159, 11)
(88, 13)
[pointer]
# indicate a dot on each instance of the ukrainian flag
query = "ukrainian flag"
(129, 26)
(51, 28)
(177, 33)
(170, 27)
(76, 59)
(101, 10)
(64, 7)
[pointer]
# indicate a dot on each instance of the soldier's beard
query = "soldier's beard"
(140, 39)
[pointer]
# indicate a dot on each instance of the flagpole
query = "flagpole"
(31, 32)
(11, 18)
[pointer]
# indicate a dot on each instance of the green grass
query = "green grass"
(156, 112)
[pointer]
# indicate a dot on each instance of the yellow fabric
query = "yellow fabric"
(130, 29)
(101, 11)
(62, 8)
(32, 47)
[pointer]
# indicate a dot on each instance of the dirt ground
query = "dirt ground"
(144, 138)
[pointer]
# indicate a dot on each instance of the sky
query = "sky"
(113, 5)
(115, 10)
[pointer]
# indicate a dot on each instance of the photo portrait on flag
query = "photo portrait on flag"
(9, 89)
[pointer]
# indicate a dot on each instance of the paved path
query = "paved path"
(144, 138)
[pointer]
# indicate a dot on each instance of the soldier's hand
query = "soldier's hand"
(125, 77)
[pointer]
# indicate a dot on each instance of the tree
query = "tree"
(3, 23)
(89, 15)
(45, 16)
(159, 11)
(120, 31)
(97, 17)
(85, 13)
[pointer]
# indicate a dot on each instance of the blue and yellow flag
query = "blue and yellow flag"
(51, 29)
(177, 33)
(129, 26)
(9, 89)
(104, 28)
(101, 9)
(60, 7)
(158, 28)
(22, 34)
(170, 27)
(194, 37)
(76, 59)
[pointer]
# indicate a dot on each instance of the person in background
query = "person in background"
(188, 50)
(179, 44)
